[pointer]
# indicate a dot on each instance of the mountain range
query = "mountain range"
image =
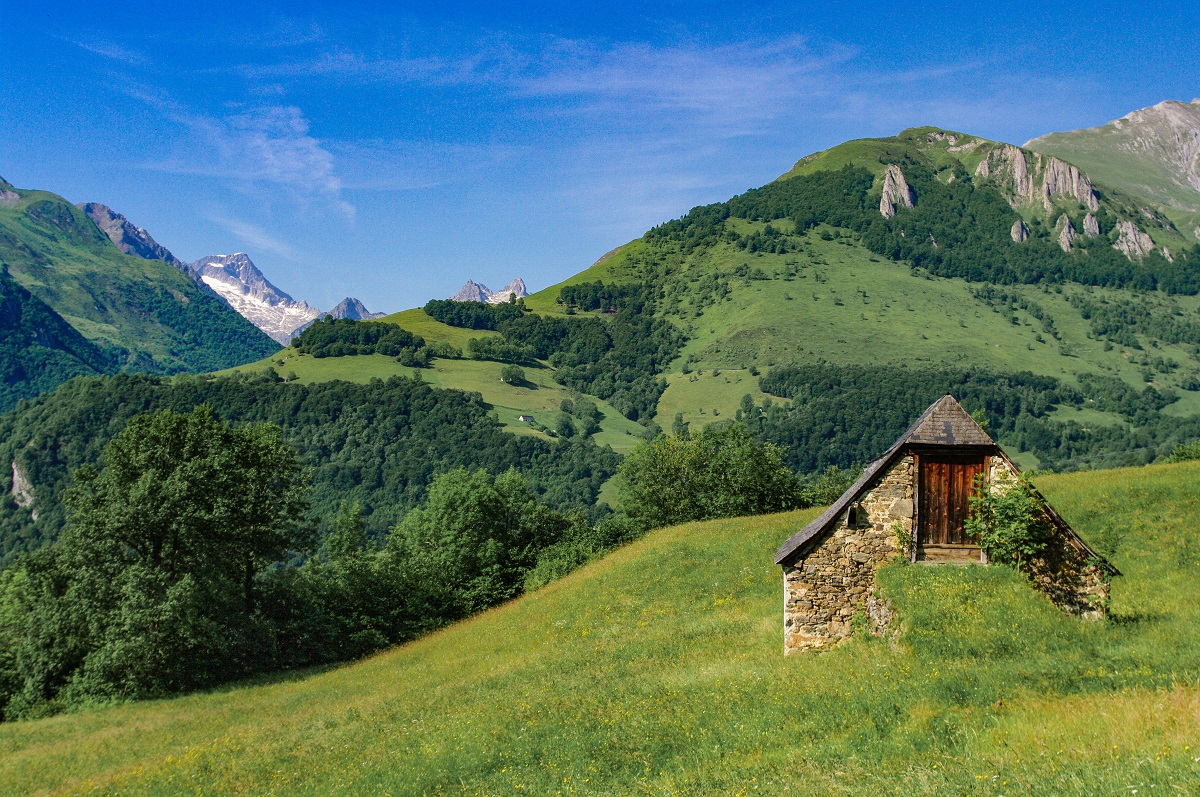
(826, 307)
(234, 278)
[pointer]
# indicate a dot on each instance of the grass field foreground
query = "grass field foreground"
(659, 670)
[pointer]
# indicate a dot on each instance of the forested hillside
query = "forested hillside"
(38, 349)
(379, 444)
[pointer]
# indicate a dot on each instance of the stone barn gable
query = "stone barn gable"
(912, 502)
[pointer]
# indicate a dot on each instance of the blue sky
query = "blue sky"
(391, 151)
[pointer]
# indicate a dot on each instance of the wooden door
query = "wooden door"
(946, 487)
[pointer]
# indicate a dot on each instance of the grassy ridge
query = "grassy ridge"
(659, 670)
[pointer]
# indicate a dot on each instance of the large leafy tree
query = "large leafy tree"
(720, 472)
(151, 588)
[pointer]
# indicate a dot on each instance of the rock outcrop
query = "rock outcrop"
(1091, 227)
(1063, 178)
(1131, 241)
(22, 488)
(1019, 232)
(238, 281)
(896, 191)
(1007, 166)
(1066, 232)
(128, 237)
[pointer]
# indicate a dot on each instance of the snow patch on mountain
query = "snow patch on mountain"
(238, 281)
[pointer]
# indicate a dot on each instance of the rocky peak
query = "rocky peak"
(472, 292)
(1091, 227)
(1019, 232)
(128, 237)
(353, 308)
(895, 191)
(478, 292)
(513, 290)
(238, 281)
(1170, 129)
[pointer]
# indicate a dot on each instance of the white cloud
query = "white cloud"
(267, 145)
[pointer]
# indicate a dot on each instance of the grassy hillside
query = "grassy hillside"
(540, 396)
(659, 670)
(146, 314)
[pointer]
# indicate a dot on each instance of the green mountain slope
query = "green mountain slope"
(38, 349)
(659, 670)
(1152, 153)
(969, 262)
(147, 315)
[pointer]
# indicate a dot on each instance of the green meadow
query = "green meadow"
(540, 396)
(659, 670)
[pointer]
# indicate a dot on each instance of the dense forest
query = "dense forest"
(189, 558)
(379, 444)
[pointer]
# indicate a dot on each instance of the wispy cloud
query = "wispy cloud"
(110, 50)
(269, 145)
(255, 237)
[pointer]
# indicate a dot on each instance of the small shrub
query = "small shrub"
(1185, 452)
(1010, 523)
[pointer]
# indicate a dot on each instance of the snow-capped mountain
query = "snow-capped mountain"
(238, 281)
(478, 292)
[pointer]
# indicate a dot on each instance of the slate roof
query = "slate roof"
(945, 423)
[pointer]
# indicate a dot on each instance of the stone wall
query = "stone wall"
(835, 578)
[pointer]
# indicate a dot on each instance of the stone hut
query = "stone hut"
(913, 501)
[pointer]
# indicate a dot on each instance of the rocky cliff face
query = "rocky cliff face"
(128, 237)
(1031, 177)
(238, 281)
(896, 191)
